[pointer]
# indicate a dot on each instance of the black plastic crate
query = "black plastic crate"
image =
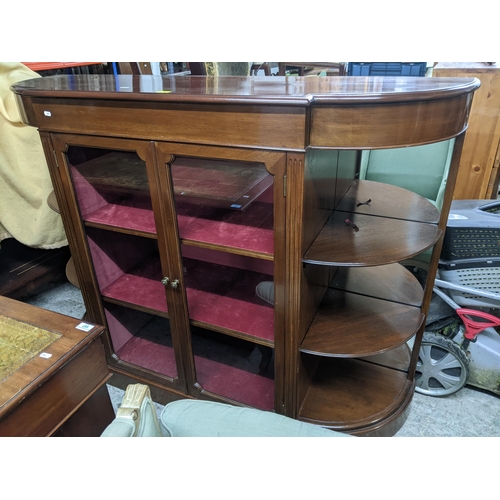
(386, 68)
(472, 231)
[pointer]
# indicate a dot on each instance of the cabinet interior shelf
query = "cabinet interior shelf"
(235, 384)
(113, 192)
(224, 368)
(142, 339)
(239, 311)
(231, 368)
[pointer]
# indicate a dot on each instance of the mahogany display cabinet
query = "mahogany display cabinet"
(180, 195)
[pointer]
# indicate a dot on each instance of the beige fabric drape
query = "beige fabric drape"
(24, 177)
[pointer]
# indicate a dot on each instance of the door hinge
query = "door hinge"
(284, 186)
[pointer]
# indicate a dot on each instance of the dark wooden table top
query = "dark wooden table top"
(34, 344)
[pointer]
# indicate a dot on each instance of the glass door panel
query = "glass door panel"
(113, 198)
(225, 220)
(224, 203)
(112, 188)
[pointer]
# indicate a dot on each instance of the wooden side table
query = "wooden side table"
(53, 374)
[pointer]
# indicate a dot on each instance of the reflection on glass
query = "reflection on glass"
(112, 188)
(224, 203)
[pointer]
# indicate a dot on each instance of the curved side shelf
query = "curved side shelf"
(351, 325)
(392, 282)
(376, 241)
(381, 396)
(388, 201)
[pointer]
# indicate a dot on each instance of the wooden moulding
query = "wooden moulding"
(346, 112)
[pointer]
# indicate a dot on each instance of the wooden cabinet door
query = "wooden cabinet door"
(109, 192)
(224, 213)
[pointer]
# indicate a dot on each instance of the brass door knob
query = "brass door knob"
(175, 283)
(165, 281)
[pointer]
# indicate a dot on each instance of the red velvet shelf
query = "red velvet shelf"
(149, 355)
(140, 287)
(231, 307)
(236, 384)
(113, 192)
(141, 339)
(135, 217)
(251, 231)
(228, 234)
(224, 297)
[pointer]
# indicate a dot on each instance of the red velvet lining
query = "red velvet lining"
(114, 254)
(218, 295)
(234, 383)
(228, 259)
(89, 199)
(137, 215)
(225, 296)
(155, 357)
(141, 339)
(232, 304)
(142, 286)
(251, 229)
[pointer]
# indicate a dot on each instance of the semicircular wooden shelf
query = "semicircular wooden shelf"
(351, 325)
(375, 240)
(334, 379)
(388, 201)
(390, 282)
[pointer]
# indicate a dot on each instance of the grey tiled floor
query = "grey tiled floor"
(469, 412)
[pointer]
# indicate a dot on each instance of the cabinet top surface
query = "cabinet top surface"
(301, 91)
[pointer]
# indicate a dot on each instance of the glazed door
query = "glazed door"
(113, 204)
(224, 210)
